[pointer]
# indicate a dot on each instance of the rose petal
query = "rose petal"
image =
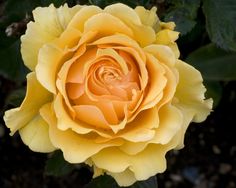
(112, 53)
(112, 25)
(104, 106)
(168, 37)
(125, 178)
(141, 128)
(148, 17)
(153, 158)
(35, 134)
(124, 13)
(75, 148)
(18, 117)
(163, 53)
(190, 91)
(91, 115)
(82, 16)
(49, 61)
(65, 14)
(49, 24)
(145, 35)
(187, 118)
(157, 82)
(65, 122)
(75, 73)
(171, 121)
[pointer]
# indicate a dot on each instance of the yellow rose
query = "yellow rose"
(107, 88)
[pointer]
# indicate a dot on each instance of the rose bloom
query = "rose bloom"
(107, 88)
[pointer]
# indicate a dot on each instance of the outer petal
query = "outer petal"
(36, 135)
(19, 117)
(76, 148)
(144, 34)
(82, 16)
(148, 17)
(187, 118)
(50, 58)
(190, 91)
(152, 158)
(171, 121)
(123, 12)
(168, 37)
(163, 53)
(49, 24)
(112, 25)
(141, 129)
(125, 178)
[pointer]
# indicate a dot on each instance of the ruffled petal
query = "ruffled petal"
(76, 148)
(141, 129)
(82, 16)
(152, 158)
(190, 91)
(168, 37)
(112, 25)
(187, 118)
(35, 134)
(157, 82)
(124, 13)
(163, 53)
(50, 58)
(148, 17)
(49, 24)
(125, 178)
(171, 121)
(18, 117)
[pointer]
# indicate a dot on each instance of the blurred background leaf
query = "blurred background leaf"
(57, 166)
(106, 181)
(214, 63)
(12, 66)
(15, 98)
(214, 91)
(221, 22)
(183, 13)
(131, 3)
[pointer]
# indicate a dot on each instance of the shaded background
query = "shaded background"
(207, 41)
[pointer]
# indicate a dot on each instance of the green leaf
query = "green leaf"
(16, 10)
(5, 41)
(214, 63)
(221, 22)
(106, 181)
(16, 97)
(11, 65)
(57, 166)
(57, 3)
(100, 3)
(131, 3)
(214, 90)
(150, 183)
(183, 13)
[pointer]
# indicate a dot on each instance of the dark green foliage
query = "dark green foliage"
(57, 166)
(183, 13)
(15, 98)
(214, 63)
(106, 181)
(11, 63)
(131, 3)
(221, 22)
